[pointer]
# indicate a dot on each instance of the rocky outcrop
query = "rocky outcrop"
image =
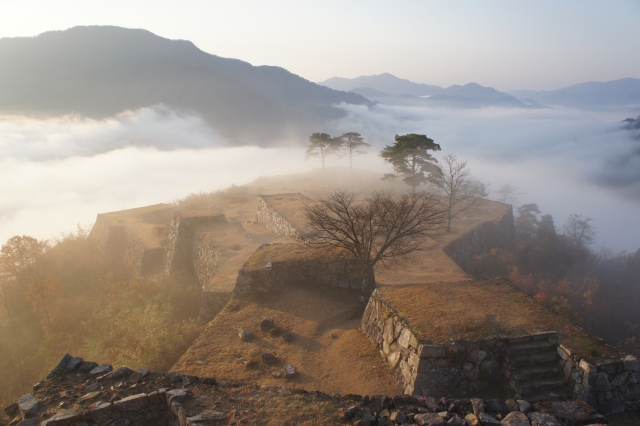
(486, 236)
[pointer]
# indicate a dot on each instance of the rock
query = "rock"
(289, 371)
(210, 381)
(74, 363)
(11, 410)
(89, 396)
(523, 406)
(268, 357)
(38, 385)
(101, 369)
(62, 364)
(476, 356)
(101, 413)
(121, 373)
(630, 363)
(287, 336)
(496, 406)
(405, 400)
(122, 422)
(178, 395)
(93, 387)
(276, 331)
(431, 351)
(459, 406)
(87, 366)
(471, 420)
(351, 412)
(266, 324)
(362, 423)
(430, 419)
(138, 375)
(477, 405)
(245, 334)
(29, 422)
(132, 403)
(28, 405)
(486, 419)
(455, 421)
(512, 405)
(543, 419)
(63, 419)
(516, 418)
(367, 416)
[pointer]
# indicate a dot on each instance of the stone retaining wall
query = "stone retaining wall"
(273, 221)
(459, 369)
(179, 245)
(205, 257)
(611, 386)
(493, 234)
(276, 276)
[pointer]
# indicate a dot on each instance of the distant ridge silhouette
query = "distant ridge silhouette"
(99, 71)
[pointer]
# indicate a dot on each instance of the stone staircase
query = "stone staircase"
(534, 368)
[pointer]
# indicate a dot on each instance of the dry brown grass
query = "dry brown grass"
(293, 252)
(472, 310)
(346, 363)
(149, 224)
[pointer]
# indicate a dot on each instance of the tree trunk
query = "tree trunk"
(368, 280)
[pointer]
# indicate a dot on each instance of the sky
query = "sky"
(506, 44)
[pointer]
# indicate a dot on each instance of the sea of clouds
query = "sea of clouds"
(59, 172)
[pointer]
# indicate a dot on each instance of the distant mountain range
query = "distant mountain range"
(102, 71)
(389, 89)
(591, 95)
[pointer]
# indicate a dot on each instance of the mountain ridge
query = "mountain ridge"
(100, 71)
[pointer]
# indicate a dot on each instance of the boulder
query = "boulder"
(429, 419)
(87, 366)
(266, 324)
(121, 373)
(101, 413)
(471, 420)
(496, 406)
(62, 364)
(28, 405)
(276, 331)
(74, 363)
(287, 336)
(245, 334)
(516, 419)
(486, 420)
(524, 406)
(477, 406)
(543, 419)
(289, 371)
(29, 422)
(101, 369)
(11, 410)
(65, 418)
(267, 357)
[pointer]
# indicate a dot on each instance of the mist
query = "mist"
(56, 173)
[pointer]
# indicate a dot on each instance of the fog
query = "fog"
(59, 172)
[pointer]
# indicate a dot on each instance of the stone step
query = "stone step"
(538, 371)
(560, 394)
(515, 348)
(541, 356)
(526, 388)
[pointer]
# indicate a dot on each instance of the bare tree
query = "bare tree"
(381, 229)
(508, 194)
(579, 231)
(461, 190)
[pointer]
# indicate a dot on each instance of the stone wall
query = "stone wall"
(179, 245)
(122, 246)
(205, 257)
(276, 276)
(612, 386)
(460, 369)
(493, 234)
(273, 221)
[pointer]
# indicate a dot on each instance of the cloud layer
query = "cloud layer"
(56, 173)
